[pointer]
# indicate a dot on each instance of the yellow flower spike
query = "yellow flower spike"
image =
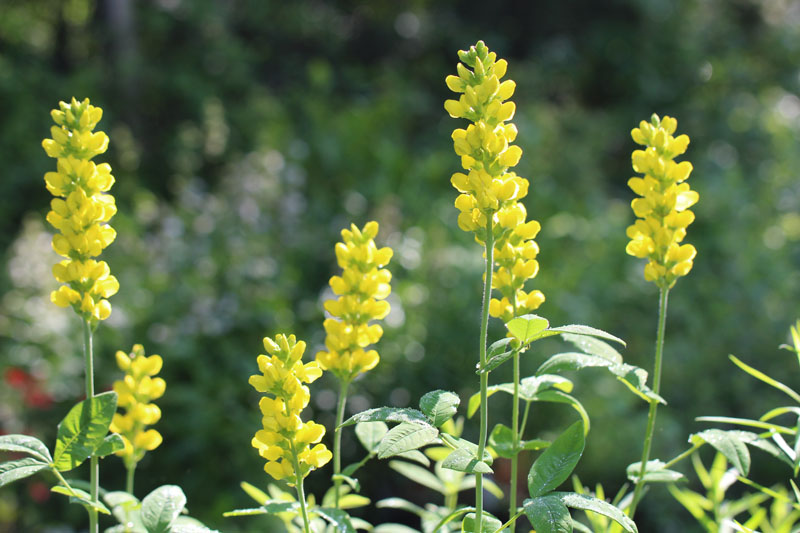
(489, 191)
(663, 206)
(284, 437)
(81, 209)
(361, 289)
(136, 390)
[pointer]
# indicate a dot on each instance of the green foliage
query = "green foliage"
(556, 463)
(84, 430)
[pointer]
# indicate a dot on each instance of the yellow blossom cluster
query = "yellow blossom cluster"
(285, 440)
(663, 207)
(81, 210)
(361, 293)
(135, 392)
(489, 191)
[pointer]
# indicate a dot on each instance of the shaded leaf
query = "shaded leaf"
(400, 503)
(405, 437)
(11, 471)
(588, 503)
(440, 406)
(457, 442)
(81, 497)
(83, 430)
(161, 507)
(416, 456)
(593, 346)
(25, 444)
(462, 460)
(420, 475)
(502, 441)
(556, 396)
(655, 472)
(547, 514)
(557, 462)
(728, 444)
(490, 524)
(370, 434)
(339, 519)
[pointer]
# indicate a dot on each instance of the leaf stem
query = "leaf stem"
(651, 417)
(682, 456)
(511, 521)
(337, 440)
(94, 467)
(301, 495)
(131, 470)
(515, 432)
(484, 408)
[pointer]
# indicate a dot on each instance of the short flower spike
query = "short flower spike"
(81, 210)
(361, 297)
(285, 441)
(489, 190)
(663, 207)
(136, 392)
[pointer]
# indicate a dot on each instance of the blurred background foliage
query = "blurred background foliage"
(246, 133)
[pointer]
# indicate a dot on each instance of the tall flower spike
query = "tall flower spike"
(135, 392)
(285, 440)
(362, 290)
(81, 210)
(663, 207)
(489, 191)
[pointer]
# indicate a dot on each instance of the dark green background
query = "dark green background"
(246, 134)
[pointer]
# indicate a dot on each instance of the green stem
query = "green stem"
(515, 432)
(484, 408)
(301, 495)
(337, 441)
(94, 467)
(129, 478)
(682, 456)
(525, 417)
(651, 417)
(511, 521)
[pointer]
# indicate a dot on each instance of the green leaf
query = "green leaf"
(588, 503)
(490, 524)
(82, 431)
(354, 484)
(388, 414)
(393, 528)
(406, 436)
(572, 361)
(420, 475)
(654, 473)
(547, 514)
(416, 456)
(11, 471)
(527, 328)
(370, 434)
(728, 444)
(339, 519)
(593, 346)
(400, 503)
(528, 387)
(555, 396)
(271, 507)
(254, 492)
(353, 501)
(556, 463)
(161, 507)
(82, 497)
(456, 442)
(535, 444)
(111, 444)
(586, 331)
(766, 379)
(502, 441)
(125, 508)
(25, 444)
(462, 460)
(440, 406)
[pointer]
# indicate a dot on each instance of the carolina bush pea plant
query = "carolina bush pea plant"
(430, 445)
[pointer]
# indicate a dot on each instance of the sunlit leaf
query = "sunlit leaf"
(420, 475)
(83, 430)
(588, 503)
(388, 414)
(405, 437)
(11, 471)
(547, 514)
(654, 473)
(728, 444)
(25, 444)
(439, 405)
(370, 434)
(161, 507)
(593, 346)
(462, 460)
(81, 497)
(490, 524)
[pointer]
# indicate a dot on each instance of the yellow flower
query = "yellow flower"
(81, 210)
(284, 440)
(135, 391)
(362, 290)
(663, 207)
(489, 191)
